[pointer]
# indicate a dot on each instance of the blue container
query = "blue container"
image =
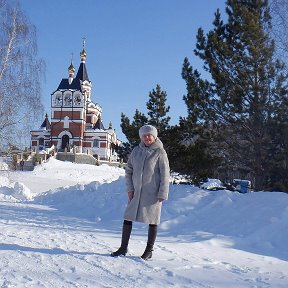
(242, 186)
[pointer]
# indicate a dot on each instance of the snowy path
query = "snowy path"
(63, 237)
(44, 249)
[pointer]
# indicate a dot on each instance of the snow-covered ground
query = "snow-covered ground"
(60, 222)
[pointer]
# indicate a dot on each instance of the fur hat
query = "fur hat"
(148, 129)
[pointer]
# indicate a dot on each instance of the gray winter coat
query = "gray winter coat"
(147, 175)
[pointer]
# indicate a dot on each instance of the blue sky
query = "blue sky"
(131, 45)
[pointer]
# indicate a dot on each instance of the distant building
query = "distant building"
(75, 119)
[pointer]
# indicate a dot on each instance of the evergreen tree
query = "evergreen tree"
(189, 154)
(196, 132)
(237, 106)
(278, 151)
(130, 130)
(157, 111)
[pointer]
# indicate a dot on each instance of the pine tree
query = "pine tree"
(130, 130)
(157, 111)
(278, 150)
(196, 132)
(246, 85)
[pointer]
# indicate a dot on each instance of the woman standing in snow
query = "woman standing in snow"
(147, 178)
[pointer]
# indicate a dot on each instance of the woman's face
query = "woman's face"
(148, 139)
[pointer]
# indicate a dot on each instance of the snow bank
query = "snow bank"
(256, 221)
(247, 219)
(206, 238)
(80, 173)
(3, 166)
(95, 201)
(15, 191)
(22, 192)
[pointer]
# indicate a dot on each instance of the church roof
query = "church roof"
(64, 84)
(82, 73)
(46, 124)
(99, 124)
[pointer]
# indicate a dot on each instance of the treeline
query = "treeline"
(237, 116)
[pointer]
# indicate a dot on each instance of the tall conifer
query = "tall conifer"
(157, 116)
(245, 86)
(157, 109)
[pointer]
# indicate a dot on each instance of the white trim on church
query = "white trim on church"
(76, 121)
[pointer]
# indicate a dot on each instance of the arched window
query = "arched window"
(65, 142)
(58, 100)
(68, 100)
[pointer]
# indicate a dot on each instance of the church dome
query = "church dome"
(83, 53)
(71, 68)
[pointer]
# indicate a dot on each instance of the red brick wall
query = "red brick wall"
(76, 129)
(87, 144)
(72, 115)
(103, 144)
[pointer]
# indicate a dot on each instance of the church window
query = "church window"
(41, 144)
(68, 100)
(77, 100)
(96, 143)
(66, 122)
(58, 100)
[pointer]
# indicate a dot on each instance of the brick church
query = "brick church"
(75, 119)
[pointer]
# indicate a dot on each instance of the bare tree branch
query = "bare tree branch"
(21, 73)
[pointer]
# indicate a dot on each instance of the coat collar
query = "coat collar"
(157, 144)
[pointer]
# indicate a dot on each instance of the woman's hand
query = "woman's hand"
(130, 195)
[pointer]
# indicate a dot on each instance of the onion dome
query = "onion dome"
(83, 53)
(71, 69)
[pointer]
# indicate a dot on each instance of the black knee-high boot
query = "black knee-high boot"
(152, 233)
(126, 232)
